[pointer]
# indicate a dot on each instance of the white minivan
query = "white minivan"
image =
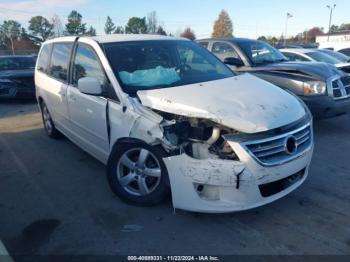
(165, 115)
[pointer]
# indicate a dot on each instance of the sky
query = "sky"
(251, 18)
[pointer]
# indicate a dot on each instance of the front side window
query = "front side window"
(43, 60)
(260, 53)
(86, 64)
(144, 65)
(223, 50)
(60, 61)
(17, 63)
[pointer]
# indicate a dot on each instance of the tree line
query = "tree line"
(307, 36)
(14, 37)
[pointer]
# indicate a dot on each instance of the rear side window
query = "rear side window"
(43, 60)
(60, 61)
(223, 50)
(295, 57)
(204, 44)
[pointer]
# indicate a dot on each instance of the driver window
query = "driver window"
(87, 64)
(223, 50)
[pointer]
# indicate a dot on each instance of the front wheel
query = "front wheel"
(137, 173)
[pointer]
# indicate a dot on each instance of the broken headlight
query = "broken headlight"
(199, 138)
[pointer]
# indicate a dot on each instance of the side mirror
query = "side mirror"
(233, 61)
(90, 86)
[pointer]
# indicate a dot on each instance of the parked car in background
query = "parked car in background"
(162, 111)
(315, 55)
(17, 77)
(338, 55)
(341, 46)
(324, 88)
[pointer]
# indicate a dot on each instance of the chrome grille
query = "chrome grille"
(341, 88)
(272, 151)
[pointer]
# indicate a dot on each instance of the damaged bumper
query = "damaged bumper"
(217, 185)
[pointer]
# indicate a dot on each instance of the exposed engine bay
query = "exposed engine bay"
(198, 138)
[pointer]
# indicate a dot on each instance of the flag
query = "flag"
(289, 15)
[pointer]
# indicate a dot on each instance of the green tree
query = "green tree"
(188, 33)
(262, 38)
(109, 26)
(160, 31)
(119, 30)
(333, 29)
(136, 25)
(223, 26)
(11, 30)
(91, 31)
(75, 25)
(40, 27)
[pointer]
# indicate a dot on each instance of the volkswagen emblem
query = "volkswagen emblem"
(290, 145)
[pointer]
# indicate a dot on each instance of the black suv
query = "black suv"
(17, 77)
(324, 88)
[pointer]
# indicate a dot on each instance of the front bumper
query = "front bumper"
(7, 92)
(219, 186)
(326, 107)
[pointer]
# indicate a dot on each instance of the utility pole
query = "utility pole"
(331, 8)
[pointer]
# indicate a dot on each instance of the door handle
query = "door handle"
(62, 93)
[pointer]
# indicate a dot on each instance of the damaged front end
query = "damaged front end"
(228, 156)
(200, 153)
(211, 170)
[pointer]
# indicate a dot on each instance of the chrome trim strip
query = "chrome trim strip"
(277, 137)
(340, 87)
(265, 148)
(282, 161)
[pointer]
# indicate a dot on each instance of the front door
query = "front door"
(88, 112)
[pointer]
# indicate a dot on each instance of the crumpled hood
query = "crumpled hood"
(316, 70)
(244, 103)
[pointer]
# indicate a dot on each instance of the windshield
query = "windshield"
(16, 63)
(322, 57)
(341, 57)
(260, 53)
(144, 65)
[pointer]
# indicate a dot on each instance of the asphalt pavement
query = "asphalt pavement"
(54, 199)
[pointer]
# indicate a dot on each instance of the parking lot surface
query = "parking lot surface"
(54, 199)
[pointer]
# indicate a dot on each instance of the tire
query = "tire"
(136, 173)
(49, 126)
